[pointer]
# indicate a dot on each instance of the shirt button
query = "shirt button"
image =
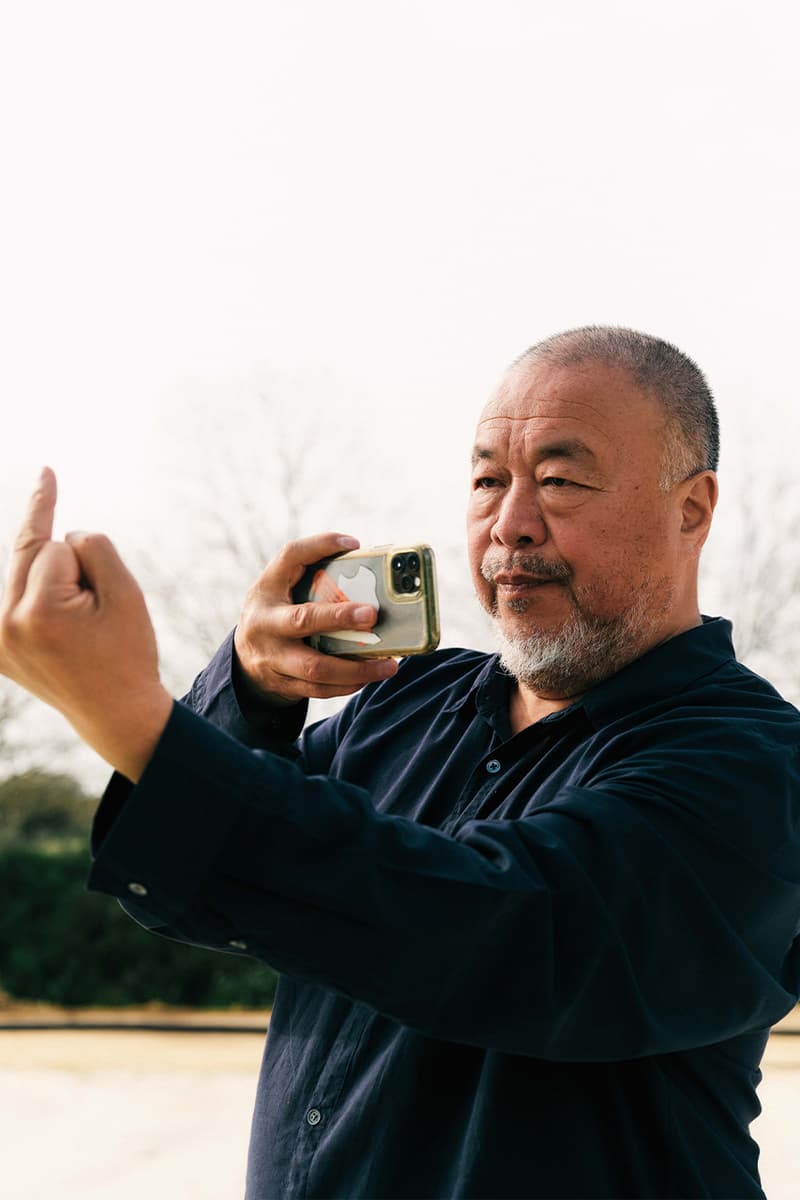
(138, 889)
(493, 766)
(313, 1116)
(237, 944)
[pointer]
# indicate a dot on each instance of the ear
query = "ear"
(698, 501)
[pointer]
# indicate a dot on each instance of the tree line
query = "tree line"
(62, 944)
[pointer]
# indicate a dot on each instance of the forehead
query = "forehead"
(587, 410)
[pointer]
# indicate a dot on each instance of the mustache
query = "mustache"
(525, 564)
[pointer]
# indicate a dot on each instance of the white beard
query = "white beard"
(568, 661)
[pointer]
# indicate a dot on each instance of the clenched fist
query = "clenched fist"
(75, 631)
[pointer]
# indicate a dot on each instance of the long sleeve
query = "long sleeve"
(605, 922)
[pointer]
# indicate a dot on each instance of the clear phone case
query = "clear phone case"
(400, 581)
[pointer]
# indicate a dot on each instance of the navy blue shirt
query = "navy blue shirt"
(540, 965)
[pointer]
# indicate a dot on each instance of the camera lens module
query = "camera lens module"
(412, 562)
(399, 562)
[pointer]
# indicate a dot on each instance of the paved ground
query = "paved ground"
(776, 1129)
(127, 1115)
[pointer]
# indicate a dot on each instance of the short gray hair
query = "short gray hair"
(692, 428)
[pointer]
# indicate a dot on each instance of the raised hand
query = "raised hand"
(75, 631)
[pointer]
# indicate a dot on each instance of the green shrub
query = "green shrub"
(63, 944)
(41, 808)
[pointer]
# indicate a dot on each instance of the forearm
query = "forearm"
(126, 732)
(499, 936)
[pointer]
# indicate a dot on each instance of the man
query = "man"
(534, 917)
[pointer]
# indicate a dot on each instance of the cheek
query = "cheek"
(606, 567)
(620, 566)
(478, 534)
(478, 541)
(475, 560)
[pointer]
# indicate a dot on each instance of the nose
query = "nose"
(519, 520)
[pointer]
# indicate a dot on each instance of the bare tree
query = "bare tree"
(13, 705)
(752, 570)
(14, 702)
(254, 474)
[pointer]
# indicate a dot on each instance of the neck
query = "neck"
(526, 708)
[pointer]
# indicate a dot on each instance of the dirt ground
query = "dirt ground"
(122, 1114)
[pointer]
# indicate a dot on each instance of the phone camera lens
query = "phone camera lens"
(399, 562)
(407, 583)
(412, 562)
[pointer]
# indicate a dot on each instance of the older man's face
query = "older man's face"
(574, 547)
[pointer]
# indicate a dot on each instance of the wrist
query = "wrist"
(126, 735)
(254, 702)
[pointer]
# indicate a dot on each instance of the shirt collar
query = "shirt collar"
(663, 671)
(489, 691)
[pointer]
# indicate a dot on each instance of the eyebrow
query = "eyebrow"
(569, 448)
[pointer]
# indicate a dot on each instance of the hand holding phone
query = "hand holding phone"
(273, 662)
(397, 580)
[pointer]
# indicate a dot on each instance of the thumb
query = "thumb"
(101, 567)
(37, 529)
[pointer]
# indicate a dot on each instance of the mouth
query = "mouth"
(521, 583)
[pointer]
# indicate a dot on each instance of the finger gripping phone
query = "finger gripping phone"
(400, 581)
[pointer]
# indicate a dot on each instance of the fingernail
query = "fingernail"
(388, 667)
(347, 543)
(364, 612)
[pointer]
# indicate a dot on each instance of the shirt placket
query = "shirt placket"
(322, 1101)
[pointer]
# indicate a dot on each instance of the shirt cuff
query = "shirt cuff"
(155, 842)
(261, 726)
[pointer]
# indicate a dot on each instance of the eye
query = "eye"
(557, 481)
(485, 482)
(561, 493)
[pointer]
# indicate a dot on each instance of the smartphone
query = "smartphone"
(400, 581)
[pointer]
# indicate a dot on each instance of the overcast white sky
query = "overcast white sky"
(373, 207)
(401, 197)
